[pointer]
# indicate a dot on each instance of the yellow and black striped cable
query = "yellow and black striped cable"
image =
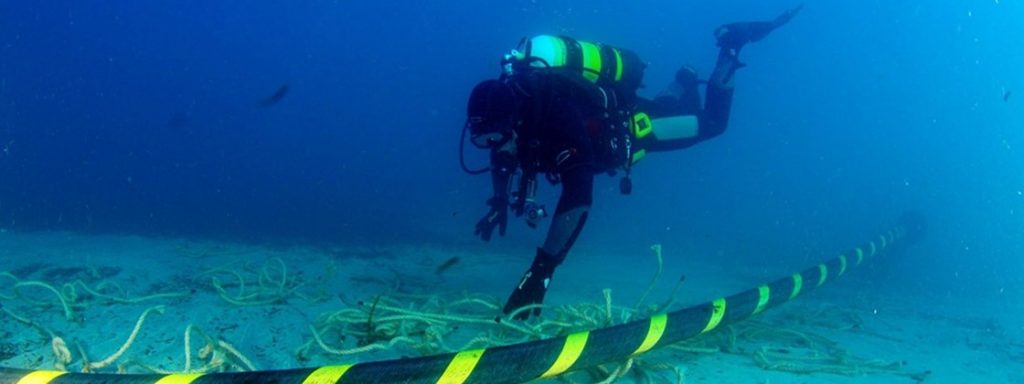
(520, 362)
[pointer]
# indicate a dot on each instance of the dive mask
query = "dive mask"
(491, 112)
(489, 134)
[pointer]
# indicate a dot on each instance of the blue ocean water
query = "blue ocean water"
(143, 117)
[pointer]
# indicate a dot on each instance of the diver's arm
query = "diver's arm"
(503, 166)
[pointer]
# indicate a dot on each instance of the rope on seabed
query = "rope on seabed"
(427, 324)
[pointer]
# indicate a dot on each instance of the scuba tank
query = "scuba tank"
(608, 67)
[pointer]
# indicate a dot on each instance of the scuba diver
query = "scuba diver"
(569, 109)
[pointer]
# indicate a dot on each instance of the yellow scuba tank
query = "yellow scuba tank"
(604, 65)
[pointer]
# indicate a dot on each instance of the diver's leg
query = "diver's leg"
(574, 164)
(715, 117)
(566, 224)
(678, 133)
(571, 213)
(731, 38)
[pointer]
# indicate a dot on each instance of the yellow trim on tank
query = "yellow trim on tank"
(842, 265)
(563, 53)
(461, 367)
(717, 313)
(591, 60)
(571, 351)
(655, 330)
(822, 274)
(618, 65)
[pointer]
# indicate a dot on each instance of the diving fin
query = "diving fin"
(532, 287)
(734, 36)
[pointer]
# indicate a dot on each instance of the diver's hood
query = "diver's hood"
(491, 107)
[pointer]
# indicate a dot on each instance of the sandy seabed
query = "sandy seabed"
(73, 301)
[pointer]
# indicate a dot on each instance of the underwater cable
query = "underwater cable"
(532, 360)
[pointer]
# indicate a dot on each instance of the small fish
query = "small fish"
(1006, 95)
(446, 265)
(275, 98)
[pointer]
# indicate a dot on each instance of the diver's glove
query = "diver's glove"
(734, 36)
(496, 218)
(532, 286)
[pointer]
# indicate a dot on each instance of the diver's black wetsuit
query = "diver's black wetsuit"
(681, 98)
(557, 141)
(551, 129)
(555, 136)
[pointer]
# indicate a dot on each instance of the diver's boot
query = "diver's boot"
(532, 286)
